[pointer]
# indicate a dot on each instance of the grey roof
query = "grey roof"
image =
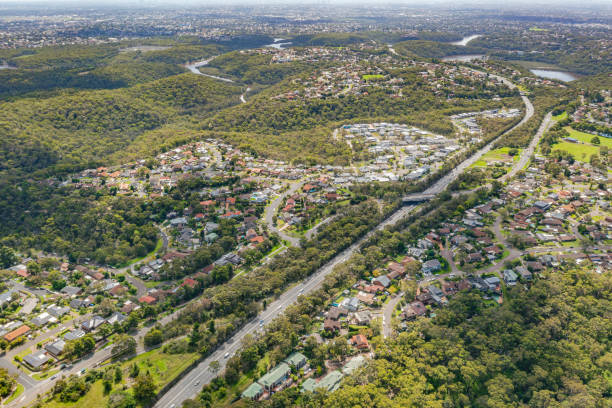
(93, 323)
(331, 381)
(6, 297)
(73, 335)
(383, 280)
(56, 348)
(116, 317)
(353, 364)
(36, 359)
(309, 385)
(296, 359)
(71, 290)
(58, 311)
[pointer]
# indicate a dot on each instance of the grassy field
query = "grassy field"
(95, 398)
(582, 151)
(372, 77)
(560, 116)
(45, 374)
(18, 391)
(163, 367)
(500, 154)
(586, 137)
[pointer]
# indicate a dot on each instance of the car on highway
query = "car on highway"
(261, 322)
(226, 355)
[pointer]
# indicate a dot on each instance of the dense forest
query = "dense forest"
(541, 348)
(76, 130)
(583, 54)
(433, 49)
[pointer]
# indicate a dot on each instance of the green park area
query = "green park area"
(584, 149)
(561, 116)
(374, 77)
(498, 155)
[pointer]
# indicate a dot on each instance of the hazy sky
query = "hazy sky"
(450, 3)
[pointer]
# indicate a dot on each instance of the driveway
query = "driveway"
(387, 328)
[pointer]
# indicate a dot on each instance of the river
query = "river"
(463, 57)
(278, 43)
(553, 74)
(193, 67)
(465, 40)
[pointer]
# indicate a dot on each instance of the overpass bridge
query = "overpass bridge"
(417, 198)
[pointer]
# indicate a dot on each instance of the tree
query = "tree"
(118, 374)
(595, 140)
(124, 344)
(121, 399)
(153, 338)
(7, 257)
(7, 382)
(134, 370)
(214, 366)
(144, 388)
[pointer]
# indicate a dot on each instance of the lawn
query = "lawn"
(586, 137)
(18, 391)
(560, 116)
(163, 367)
(581, 152)
(94, 398)
(45, 374)
(158, 246)
(372, 77)
(500, 154)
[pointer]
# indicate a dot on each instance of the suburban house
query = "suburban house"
(360, 342)
(15, 334)
(510, 277)
(36, 360)
(55, 348)
(93, 323)
(275, 377)
(431, 266)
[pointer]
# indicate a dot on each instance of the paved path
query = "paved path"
(313, 231)
(387, 327)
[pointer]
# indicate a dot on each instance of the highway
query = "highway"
(189, 386)
(528, 152)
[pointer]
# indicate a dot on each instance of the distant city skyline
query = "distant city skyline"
(415, 3)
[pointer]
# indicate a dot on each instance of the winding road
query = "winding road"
(273, 208)
(190, 384)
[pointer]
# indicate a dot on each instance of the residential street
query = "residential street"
(387, 328)
(272, 209)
